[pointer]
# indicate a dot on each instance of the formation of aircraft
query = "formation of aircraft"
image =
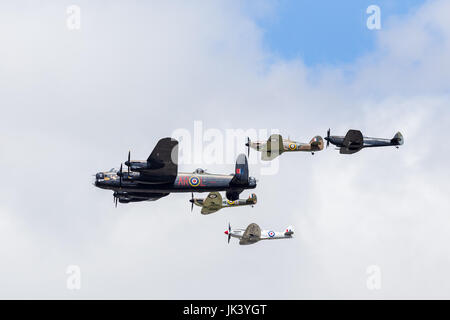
(214, 202)
(253, 234)
(158, 176)
(355, 141)
(276, 145)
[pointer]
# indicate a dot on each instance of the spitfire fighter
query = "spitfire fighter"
(158, 176)
(214, 202)
(253, 234)
(276, 145)
(354, 141)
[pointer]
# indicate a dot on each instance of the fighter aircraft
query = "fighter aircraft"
(156, 177)
(253, 234)
(214, 202)
(276, 145)
(354, 141)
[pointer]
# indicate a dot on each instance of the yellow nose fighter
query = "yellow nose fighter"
(276, 145)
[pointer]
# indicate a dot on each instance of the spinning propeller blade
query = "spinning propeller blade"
(128, 162)
(248, 147)
(229, 232)
(192, 201)
(328, 137)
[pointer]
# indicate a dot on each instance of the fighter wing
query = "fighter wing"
(353, 142)
(251, 234)
(273, 148)
(163, 161)
(126, 197)
(212, 203)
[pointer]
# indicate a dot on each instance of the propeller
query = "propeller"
(115, 198)
(128, 162)
(229, 232)
(248, 147)
(328, 138)
(192, 201)
(120, 176)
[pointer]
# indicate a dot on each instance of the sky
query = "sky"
(74, 101)
(325, 32)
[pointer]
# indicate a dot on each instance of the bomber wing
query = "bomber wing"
(212, 203)
(251, 235)
(163, 161)
(353, 142)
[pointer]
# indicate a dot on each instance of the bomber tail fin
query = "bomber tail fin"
(241, 171)
(397, 139)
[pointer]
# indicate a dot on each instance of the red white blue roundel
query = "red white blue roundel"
(271, 234)
(194, 181)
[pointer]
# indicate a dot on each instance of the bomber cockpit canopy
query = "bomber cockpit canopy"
(199, 171)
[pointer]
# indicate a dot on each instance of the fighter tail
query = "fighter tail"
(397, 139)
(241, 171)
(289, 231)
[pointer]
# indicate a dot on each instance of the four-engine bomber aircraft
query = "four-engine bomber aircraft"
(354, 141)
(214, 202)
(276, 145)
(158, 176)
(253, 234)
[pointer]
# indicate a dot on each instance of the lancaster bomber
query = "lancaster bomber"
(156, 177)
(253, 234)
(214, 202)
(276, 145)
(355, 141)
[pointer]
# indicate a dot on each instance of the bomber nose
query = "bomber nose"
(99, 176)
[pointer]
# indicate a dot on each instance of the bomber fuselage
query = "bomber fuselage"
(184, 182)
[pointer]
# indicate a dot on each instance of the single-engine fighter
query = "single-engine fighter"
(354, 141)
(253, 234)
(276, 145)
(214, 202)
(158, 176)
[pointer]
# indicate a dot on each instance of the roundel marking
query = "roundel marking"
(194, 181)
(231, 202)
(212, 196)
(292, 146)
(271, 234)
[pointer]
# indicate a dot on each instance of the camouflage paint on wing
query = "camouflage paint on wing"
(251, 235)
(212, 203)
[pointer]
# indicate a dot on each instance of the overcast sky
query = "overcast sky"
(74, 102)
